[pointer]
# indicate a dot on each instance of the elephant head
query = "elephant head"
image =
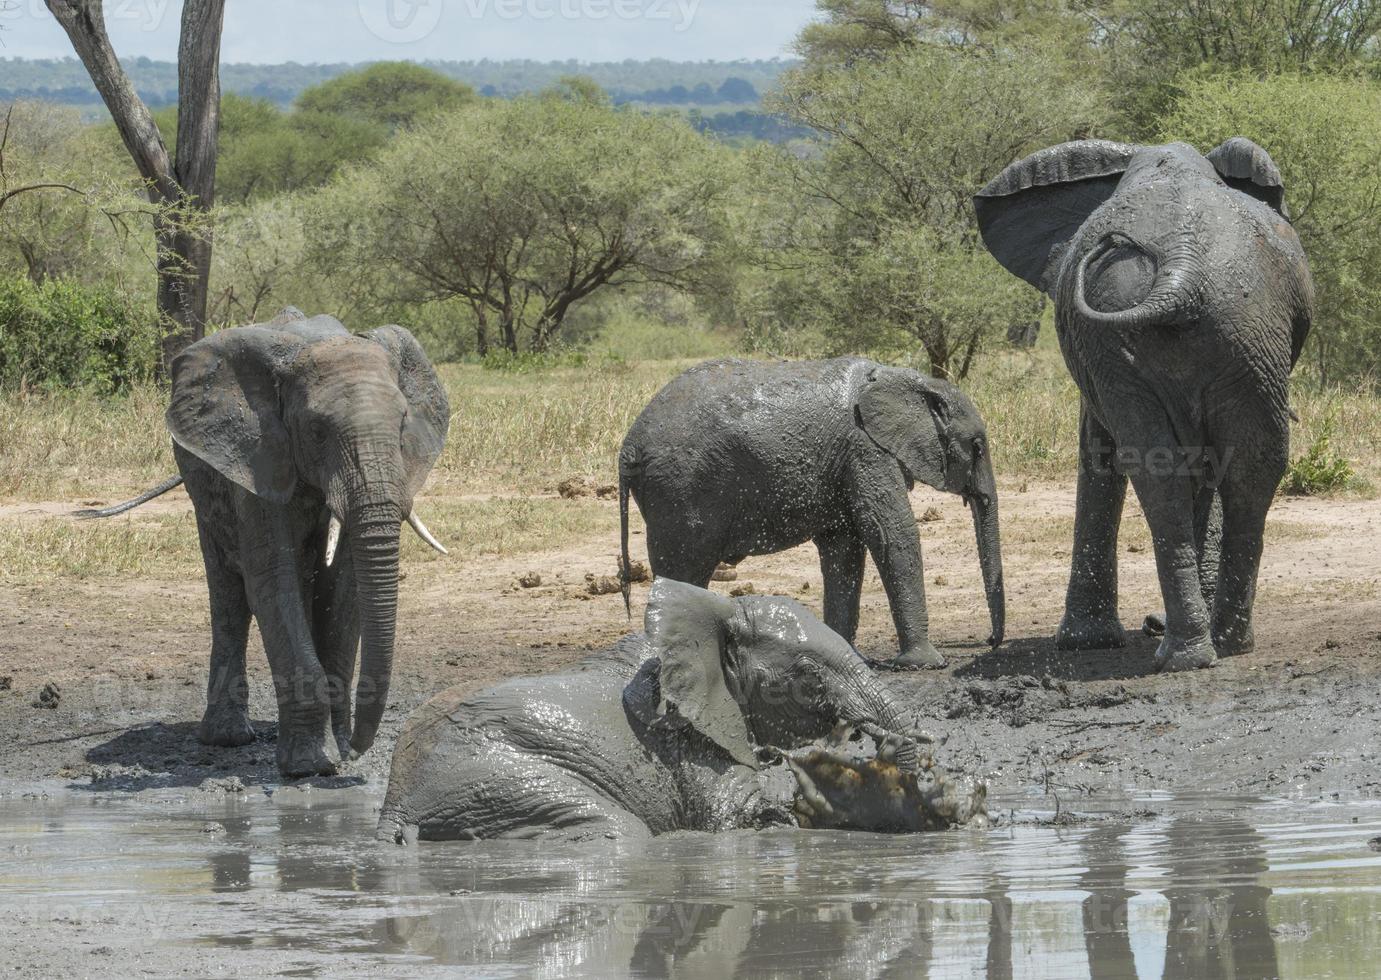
(760, 671)
(357, 421)
(1134, 214)
(935, 433)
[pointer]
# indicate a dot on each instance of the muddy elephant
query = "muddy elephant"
(737, 458)
(302, 448)
(1182, 301)
(668, 730)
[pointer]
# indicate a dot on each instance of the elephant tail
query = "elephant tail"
(129, 505)
(628, 471)
(1177, 291)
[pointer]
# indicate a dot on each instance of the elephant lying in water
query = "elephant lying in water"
(667, 731)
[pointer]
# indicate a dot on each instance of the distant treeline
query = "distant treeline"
(657, 82)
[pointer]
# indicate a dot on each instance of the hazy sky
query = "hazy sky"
(272, 31)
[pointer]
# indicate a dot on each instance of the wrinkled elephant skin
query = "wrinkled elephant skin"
(1182, 301)
(302, 448)
(666, 731)
(738, 458)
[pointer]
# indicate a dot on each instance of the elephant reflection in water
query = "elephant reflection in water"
(793, 923)
(1217, 924)
(1219, 921)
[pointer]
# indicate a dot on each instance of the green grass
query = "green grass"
(515, 434)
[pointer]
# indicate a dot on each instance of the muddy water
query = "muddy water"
(290, 881)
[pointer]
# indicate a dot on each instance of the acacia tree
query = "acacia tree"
(182, 186)
(524, 209)
(1324, 132)
(883, 234)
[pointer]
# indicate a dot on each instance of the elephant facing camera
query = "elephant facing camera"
(303, 447)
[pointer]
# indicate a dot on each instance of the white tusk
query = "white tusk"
(332, 540)
(424, 534)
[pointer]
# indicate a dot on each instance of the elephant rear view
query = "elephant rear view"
(737, 458)
(1182, 301)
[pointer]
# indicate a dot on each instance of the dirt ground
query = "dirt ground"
(1299, 717)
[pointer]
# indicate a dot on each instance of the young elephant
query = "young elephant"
(302, 448)
(1182, 301)
(738, 458)
(657, 734)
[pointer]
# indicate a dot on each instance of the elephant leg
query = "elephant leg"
(1247, 497)
(842, 557)
(336, 633)
(1090, 620)
(269, 550)
(226, 719)
(1208, 537)
(682, 554)
(1168, 502)
(888, 528)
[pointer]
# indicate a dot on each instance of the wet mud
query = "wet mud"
(1138, 818)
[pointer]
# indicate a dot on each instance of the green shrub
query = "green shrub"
(1320, 470)
(60, 334)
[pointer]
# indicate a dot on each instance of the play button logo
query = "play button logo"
(401, 21)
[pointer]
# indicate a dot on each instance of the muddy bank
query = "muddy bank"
(123, 663)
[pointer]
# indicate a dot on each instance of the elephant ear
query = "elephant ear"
(688, 629)
(1248, 168)
(908, 415)
(1027, 213)
(225, 408)
(429, 410)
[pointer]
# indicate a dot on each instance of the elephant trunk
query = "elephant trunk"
(872, 704)
(1180, 277)
(985, 524)
(374, 529)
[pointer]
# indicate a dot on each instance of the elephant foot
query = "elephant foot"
(224, 726)
(920, 656)
(303, 756)
(1175, 654)
(1234, 642)
(1098, 632)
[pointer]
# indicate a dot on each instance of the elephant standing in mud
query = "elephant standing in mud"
(738, 458)
(302, 448)
(667, 731)
(1182, 301)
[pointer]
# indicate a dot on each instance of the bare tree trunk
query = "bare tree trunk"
(481, 329)
(182, 236)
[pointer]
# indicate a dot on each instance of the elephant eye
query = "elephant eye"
(317, 429)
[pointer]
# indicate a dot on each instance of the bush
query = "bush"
(1320, 470)
(1324, 131)
(59, 334)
